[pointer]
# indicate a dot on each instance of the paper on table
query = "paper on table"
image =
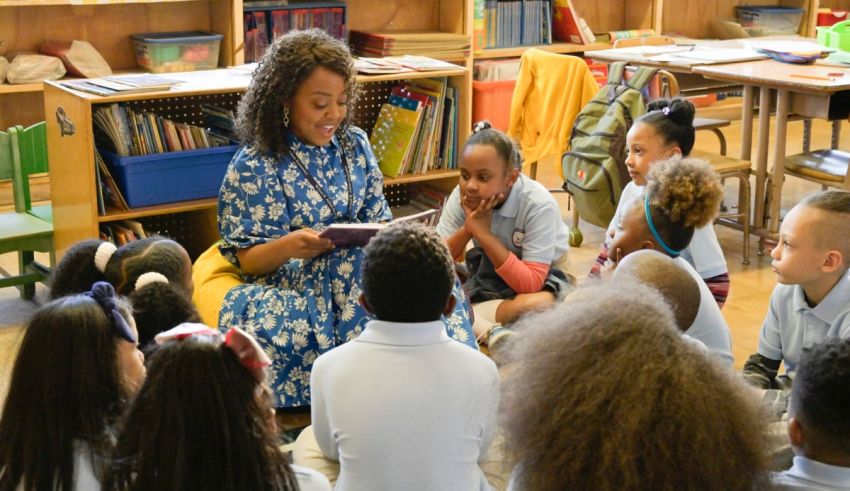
(653, 50)
(710, 56)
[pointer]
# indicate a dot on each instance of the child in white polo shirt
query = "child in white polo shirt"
(404, 406)
(819, 428)
(519, 262)
(811, 303)
(680, 197)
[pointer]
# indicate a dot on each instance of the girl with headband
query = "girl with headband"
(680, 197)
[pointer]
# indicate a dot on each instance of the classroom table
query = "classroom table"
(813, 91)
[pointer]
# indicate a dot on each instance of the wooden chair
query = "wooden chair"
(20, 230)
(829, 168)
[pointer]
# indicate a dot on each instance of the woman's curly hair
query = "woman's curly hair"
(684, 195)
(608, 398)
(284, 66)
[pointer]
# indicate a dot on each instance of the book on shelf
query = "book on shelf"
(126, 84)
(568, 26)
(358, 234)
(109, 195)
(410, 42)
(399, 64)
(512, 23)
(128, 132)
(266, 21)
(393, 137)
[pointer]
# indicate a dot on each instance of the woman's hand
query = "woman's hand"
(305, 243)
(263, 259)
(479, 219)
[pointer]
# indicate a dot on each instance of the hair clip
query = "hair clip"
(655, 234)
(481, 126)
(243, 345)
(185, 330)
(665, 110)
(103, 293)
(146, 279)
(248, 351)
(103, 254)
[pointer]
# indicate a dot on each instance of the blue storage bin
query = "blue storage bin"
(168, 177)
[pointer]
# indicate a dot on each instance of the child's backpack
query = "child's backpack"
(594, 167)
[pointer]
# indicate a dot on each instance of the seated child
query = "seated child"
(681, 196)
(154, 273)
(819, 428)
(666, 131)
(77, 367)
(403, 406)
(203, 420)
(519, 260)
(601, 392)
(811, 303)
(675, 284)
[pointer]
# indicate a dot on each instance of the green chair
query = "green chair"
(23, 231)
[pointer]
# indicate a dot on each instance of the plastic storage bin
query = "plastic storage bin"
(828, 17)
(161, 52)
(492, 101)
(835, 36)
(168, 177)
(769, 21)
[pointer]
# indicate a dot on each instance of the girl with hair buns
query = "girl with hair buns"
(680, 197)
(665, 131)
(303, 167)
(77, 367)
(597, 396)
(519, 262)
(154, 273)
(203, 420)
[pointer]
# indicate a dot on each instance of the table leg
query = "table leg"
(778, 173)
(747, 123)
(761, 158)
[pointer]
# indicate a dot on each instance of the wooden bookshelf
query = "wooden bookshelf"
(515, 52)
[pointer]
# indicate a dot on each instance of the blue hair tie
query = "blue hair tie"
(103, 293)
(654, 232)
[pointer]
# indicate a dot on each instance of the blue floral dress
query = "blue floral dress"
(307, 306)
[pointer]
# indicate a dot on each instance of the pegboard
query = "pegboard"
(373, 95)
(194, 230)
(186, 109)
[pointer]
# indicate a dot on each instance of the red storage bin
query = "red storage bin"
(826, 19)
(492, 101)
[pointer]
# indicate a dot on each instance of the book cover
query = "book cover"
(358, 234)
(392, 136)
(566, 25)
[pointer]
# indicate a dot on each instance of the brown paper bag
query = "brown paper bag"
(80, 58)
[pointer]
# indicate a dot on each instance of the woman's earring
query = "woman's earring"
(286, 117)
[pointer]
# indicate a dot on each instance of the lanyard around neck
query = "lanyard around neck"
(321, 190)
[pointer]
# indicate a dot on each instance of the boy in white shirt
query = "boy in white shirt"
(404, 406)
(811, 303)
(819, 428)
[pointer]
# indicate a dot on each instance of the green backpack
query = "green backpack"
(594, 168)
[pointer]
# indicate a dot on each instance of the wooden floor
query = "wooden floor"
(751, 285)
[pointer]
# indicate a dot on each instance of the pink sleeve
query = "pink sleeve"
(523, 276)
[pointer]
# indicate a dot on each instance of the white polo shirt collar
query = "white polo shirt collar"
(404, 333)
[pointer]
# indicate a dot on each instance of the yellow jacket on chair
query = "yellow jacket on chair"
(550, 91)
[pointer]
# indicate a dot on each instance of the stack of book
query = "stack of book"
(129, 132)
(126, 84)
(266, 21)
(122, 231)
(422, 198)
(398, 64)
(437, 44)
(509, 23)
(416, 129)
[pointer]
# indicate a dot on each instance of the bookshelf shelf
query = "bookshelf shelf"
(428, 176)
(147, 211)
(20, 88)
(562, 48)
(37, 3)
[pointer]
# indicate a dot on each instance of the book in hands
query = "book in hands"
(358, 234)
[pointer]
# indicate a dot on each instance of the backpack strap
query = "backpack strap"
(641, 77)
(615, 72)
